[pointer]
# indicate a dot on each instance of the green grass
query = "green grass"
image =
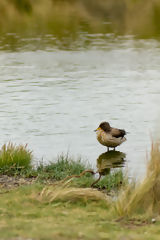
(17, 161)
(14, 158)
(23, 216)
(113, 181)
(66, 210)
(64, 166)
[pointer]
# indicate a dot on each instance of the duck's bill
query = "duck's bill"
(97, 129)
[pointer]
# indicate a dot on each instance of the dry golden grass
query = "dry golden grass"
(143, 197)
(63, 193)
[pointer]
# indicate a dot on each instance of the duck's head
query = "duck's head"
(105, 126)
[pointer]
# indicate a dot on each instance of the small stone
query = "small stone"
(153, 220)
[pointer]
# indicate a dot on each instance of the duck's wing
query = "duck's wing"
(115, 132)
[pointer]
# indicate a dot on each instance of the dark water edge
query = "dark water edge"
(82, 41)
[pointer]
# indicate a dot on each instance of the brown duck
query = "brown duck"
(110, 137)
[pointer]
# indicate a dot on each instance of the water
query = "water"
(54, 97)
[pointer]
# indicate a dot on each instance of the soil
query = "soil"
(12, 182)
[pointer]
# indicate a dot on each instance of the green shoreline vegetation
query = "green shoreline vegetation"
(17, 161)
(62, 17)
(50, 208)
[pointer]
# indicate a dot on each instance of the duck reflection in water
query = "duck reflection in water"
(108, 160)
(111, 159)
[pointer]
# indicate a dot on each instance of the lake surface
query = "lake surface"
(53, 96)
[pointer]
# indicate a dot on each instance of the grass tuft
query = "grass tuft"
(114, 180)
(51, 194)
(14, 158)
(144, 197)
(63, 167)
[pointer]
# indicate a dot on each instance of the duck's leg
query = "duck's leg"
(114, 149)
(107, 149)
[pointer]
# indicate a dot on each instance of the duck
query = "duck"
(109, 136)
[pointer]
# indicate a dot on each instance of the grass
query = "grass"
(14, 158)
(63, 211)
(62, 194)
(16, 161)
(61, 218)
(113, 181)
(61, 168)
(143, 198)
(66, 166)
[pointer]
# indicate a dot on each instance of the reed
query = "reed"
(144, 197)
